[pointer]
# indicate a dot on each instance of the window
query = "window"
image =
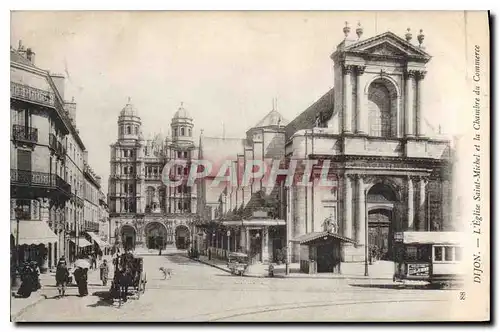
(186, 206)
(131, 170)
(135, 129)
(125, 153)
(175, 132)
(23, 160)
(186, 171)
(179, 189)
(189, 132)
(380, 110)
(121, 130)
(182, 131)
(125, 170)
(131, 153)
(179, 170)
(185, 154)
(179, 154)
(438, 253)
(448, 254)
(179, 205)
(129, 131)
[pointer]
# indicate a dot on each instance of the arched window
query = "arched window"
(382, 109)
(182, 131)
(135, 128)
(129, 131)
(189, 132)
(125, 170)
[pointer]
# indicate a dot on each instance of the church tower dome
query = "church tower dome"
(182, 126)
(129, 123)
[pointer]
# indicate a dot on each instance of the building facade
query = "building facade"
(144, 213)
(47, 164)
(389, 172)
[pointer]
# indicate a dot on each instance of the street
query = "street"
(198, 292)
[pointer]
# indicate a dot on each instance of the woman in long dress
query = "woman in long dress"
(27, 282)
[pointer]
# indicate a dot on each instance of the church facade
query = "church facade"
(143, 211)
(390, 173)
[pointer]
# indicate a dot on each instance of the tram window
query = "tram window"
(458, 253)
(438, 253)
(411, 253)
(448, 254)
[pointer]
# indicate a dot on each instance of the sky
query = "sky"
(226, 67)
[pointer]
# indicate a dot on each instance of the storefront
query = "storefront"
(37, 242)
(99, 246)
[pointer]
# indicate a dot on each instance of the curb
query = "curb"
(209, 264)
(29, 306)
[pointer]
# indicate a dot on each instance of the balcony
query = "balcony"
(90, 226)
(28, 93)
(24, 134)
(32, 180)
(56, 146)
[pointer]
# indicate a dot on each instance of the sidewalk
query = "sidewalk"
(217, 263)
(19, 305)
(381, 270)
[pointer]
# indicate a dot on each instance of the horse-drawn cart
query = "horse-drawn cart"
(129, 275)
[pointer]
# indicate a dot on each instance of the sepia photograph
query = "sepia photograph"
(249, 166)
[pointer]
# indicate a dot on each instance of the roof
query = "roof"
(182, 113)
(129, 110)
(273, 118)
(311, 237)
(16, 57)
(430, 237)
(307, 119)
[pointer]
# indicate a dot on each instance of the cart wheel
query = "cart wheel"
(139, 287)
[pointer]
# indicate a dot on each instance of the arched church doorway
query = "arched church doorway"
(128, 236)
(155, 234)
(182, 237)
(381, 200)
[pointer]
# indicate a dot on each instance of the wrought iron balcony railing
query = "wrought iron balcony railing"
(39, 179)
(24, 133)
(56, 145)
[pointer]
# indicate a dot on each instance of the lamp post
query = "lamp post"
(366, 235)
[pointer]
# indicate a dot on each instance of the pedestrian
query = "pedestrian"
(62, 277)
(35, 272)
(81, 280)
(26, 287)
(94, 261)
(104, 269)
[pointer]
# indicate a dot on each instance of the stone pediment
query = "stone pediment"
(387, 44)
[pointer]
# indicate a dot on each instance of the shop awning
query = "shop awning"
(82, 242)
(33, 232)
(255, 222)
(310, 237)
(102, 244)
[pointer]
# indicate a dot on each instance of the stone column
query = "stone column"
(361, 117)
(347, 207)
(422, 219)
(360, 238)
(409, 116)
(265, 244)
(347, 100)
(242, 238)
(419, 117)
(247, 240)
(411, 210)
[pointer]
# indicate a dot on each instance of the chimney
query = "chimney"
(70, 107)
(30, 55)
(58, 80)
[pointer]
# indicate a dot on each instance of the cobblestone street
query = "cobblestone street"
(198, 292)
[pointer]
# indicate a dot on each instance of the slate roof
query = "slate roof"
(307, 118)
(273, 118)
